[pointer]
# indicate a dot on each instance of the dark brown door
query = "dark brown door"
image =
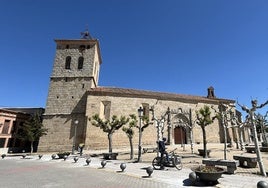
(179, 135)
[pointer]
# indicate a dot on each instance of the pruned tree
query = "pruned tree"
(145, 124)
(251, 113)
(129, 130)
(261, 127)
(31, 130)
(109, 126)
(204, 119)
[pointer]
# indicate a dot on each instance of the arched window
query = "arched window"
(68, 62)
(80, 62)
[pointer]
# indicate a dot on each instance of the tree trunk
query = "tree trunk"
(110, 135)
(32, 147)
(131, 148)
(204, 142)
(240, 130)
(258, 153)
(225, 141)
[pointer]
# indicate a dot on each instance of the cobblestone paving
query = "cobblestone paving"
(135, 174)
(190, 160)
(32, 173)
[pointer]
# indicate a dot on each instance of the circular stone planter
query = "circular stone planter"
(208, 173)
(61, 155)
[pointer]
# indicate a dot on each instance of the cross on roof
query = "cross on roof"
(86, 34)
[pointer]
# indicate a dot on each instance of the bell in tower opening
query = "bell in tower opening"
(211, 92)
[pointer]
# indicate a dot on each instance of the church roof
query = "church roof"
(24, 110)
(125, 92)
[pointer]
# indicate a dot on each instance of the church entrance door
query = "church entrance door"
(179, 135)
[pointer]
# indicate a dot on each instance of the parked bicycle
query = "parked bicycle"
(173, 161)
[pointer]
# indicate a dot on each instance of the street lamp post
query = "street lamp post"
(74, 137)
(140, 114)
(159, 126)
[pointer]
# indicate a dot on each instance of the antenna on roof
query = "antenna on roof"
(86, 34)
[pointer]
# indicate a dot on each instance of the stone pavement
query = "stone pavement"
(244, 177)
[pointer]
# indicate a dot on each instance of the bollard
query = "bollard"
(262, 184)
(193, 177)
(40, 156)
(149, 171)
(103, 163)
(53, 156)
(3, 156)
(75, 159)
(123, 166)
(88, 160)
(65, 157)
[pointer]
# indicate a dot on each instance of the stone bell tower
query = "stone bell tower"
(75, 70)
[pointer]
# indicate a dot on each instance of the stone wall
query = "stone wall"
(61, 129)
(97, 139)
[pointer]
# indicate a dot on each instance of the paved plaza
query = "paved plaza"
(46, 172)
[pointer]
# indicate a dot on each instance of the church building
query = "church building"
(74, 96)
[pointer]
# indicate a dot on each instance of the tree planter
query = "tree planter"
(61, 155)
(110, 156)
(209, 174)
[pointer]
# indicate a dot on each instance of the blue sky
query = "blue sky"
(177, 46)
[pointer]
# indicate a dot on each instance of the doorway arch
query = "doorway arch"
(181, 131)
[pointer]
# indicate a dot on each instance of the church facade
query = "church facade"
(74, 96)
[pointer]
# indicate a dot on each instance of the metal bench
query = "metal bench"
(231, 165)
(251, 161)
(264, 149)
(250, 149)
(110, 156)
(153, 149)
(201, 152)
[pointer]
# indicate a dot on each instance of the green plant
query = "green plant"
(204, 119)
(109, 126)
(130, 132)
(208, 169)
(81, 145)
(31, 130)
(62, 154)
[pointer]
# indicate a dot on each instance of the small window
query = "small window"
(5, 129)
(68, 62)
(67, 46)
(82, 48)
(105, 109)
(80, 62)
(145, 107)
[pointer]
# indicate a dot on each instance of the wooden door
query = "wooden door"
(179, 135)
